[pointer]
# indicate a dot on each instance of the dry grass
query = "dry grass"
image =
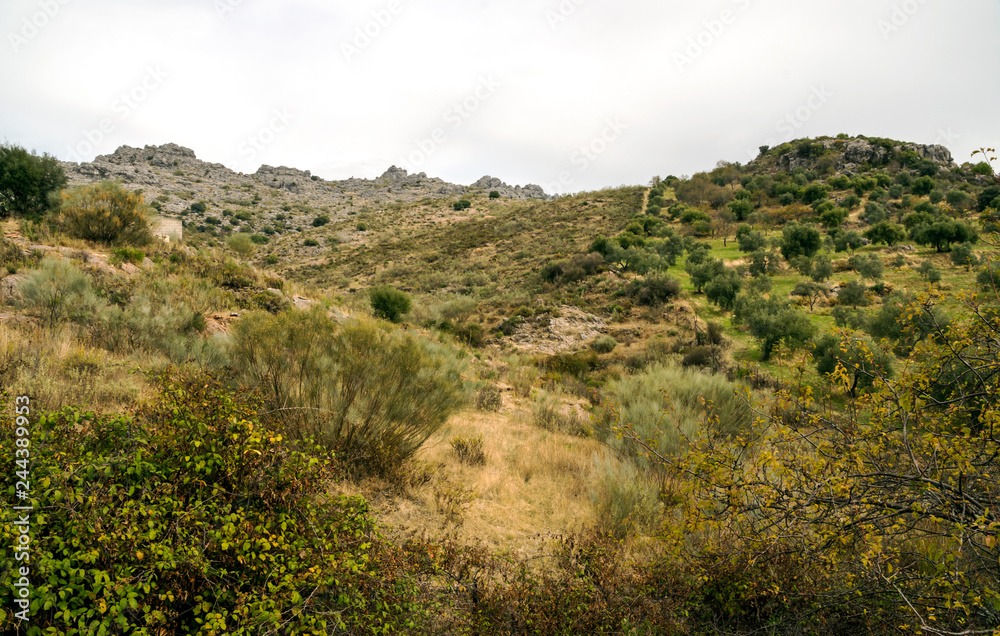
(534, 484)
(55, 369)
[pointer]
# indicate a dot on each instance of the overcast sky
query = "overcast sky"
(569, 94)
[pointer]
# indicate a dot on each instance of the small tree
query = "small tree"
(105, 212)
(771, 321)
(822, 269)
(389, 303)
(857, 355)
(723, 289)
(26, 180)
(800, 239)
(885, 232)
(809, 290)
(942, 233)
(853, 294)
(963, 256)
(494, 194)
(929, 273)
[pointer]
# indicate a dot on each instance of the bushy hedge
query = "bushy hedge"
(192, 516)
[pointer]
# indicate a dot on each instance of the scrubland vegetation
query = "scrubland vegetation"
(762, 399)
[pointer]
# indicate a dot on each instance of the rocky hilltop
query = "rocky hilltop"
(848, 155)
(172, 178)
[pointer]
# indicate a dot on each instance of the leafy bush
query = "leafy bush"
(654, 289)
(231, 516)
(929, 273)
(604, 344)
(105, 213)
(494, 194)
(962, 255)
(856, 355)
(461, 205)
(853, 294)
(389, 303)
(26, 180)
(310, 242)
(321, 220)
(371, 394)
(771, 321)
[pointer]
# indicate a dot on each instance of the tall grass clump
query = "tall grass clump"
(371, 393)
(624, 500)
(669, 404)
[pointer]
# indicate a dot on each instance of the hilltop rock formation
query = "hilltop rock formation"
(858, 151)
(530, 191)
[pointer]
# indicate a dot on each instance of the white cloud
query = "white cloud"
(753, 63)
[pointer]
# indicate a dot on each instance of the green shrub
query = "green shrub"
(241, 243)
(58, 291)
(26, 180)
(105, 213)
(372, 394)
(654, 289)
(469, 450)
(231, 516)
(310, 242)
(127, 255)
(462, 204)
(665, 404)
(494, 194)
(389, 303)
(259, 239)
(929, 273)
(321, 220)
(362, 227)
(604, 344)
(272, 259)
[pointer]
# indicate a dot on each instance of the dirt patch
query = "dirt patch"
(570, 331)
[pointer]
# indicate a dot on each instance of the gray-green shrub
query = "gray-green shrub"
(370, 393)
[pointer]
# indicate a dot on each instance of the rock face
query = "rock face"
(172, 178)
(855, 152)
(530, 191)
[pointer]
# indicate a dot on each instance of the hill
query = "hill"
(418, 407)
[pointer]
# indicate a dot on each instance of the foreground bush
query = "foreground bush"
(106, 213)
(193, 516)
(371, 394)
